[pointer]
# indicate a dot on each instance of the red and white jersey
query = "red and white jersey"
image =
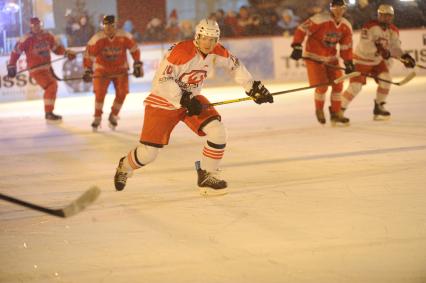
(37, 47)
(323, 35)
(185, 68)
(109, 54)
(372, 34)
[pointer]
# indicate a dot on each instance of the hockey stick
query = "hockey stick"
(336, 81)
(45, 64)
(405, 80)
(71, 209)
(113, 76)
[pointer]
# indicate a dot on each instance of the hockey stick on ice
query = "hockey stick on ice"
(336, 81)
(405, 80)
(71, 209)
(45, 64)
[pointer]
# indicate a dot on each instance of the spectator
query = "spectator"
(245, 22)
(186, 30)
(154, 31)
(288, 22)
(128, 27)
(84, 32)
(172, 28)
(231, 21)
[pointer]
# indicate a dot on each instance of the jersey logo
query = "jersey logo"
(41, 48)
(332, 38)
(193, 78)
(111, 53)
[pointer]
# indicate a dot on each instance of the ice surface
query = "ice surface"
(307, 203)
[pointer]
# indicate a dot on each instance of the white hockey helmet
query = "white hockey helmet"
(385, 9)
(208, 28)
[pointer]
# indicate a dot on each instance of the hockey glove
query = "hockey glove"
(88, 76)
(137, 69)
(193, 105)
(297, 52)
(408, 61)
(383, 51)
(11, 71)
(349, 67)
(260, 94)
(70, 54)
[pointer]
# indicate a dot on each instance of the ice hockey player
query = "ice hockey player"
(324, 31)
(37, 45)
(105, 60)
(378, 43)
(176, 96)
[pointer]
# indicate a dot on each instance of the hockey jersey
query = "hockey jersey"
(109, 54)
(185, 68)
(323, 35)
(37, 47)
(372, 35)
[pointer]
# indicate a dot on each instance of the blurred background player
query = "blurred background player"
(175, 97)
(105, 60)
(37, 45)
(324, 31)
(379, 42)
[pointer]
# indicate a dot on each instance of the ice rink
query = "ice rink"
(306, 202)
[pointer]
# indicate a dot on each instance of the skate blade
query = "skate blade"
(53, 122)
(340, 125)
(112, 127)
(381, 118)
(209, 192)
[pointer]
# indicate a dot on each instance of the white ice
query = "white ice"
(306, 203)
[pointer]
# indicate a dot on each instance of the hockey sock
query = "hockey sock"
(140, 156)
(214, 147)
(335, 102)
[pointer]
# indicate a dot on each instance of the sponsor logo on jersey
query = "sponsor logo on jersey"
(332, 38)
(193, 78)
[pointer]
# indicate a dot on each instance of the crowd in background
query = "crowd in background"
(250, 20)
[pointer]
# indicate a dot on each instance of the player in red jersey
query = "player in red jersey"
(105, 61)
(324, 31)
(37, 45)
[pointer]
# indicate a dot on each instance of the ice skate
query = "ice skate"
(52, 118)
(380, 113)
(320, 116)
(337, 118)
(96, 123)
(112, 119)
(208, 183)
(121, 176)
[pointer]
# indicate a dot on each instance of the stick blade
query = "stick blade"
(347, 76)
(82, 202)
(408, 78)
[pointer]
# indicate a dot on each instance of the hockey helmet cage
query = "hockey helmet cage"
(385, 9)
(208, 28)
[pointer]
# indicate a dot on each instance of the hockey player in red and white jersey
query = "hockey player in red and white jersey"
(378, 43)
(105, 61)
(176, 96)
(37, 45)
(324, 31)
